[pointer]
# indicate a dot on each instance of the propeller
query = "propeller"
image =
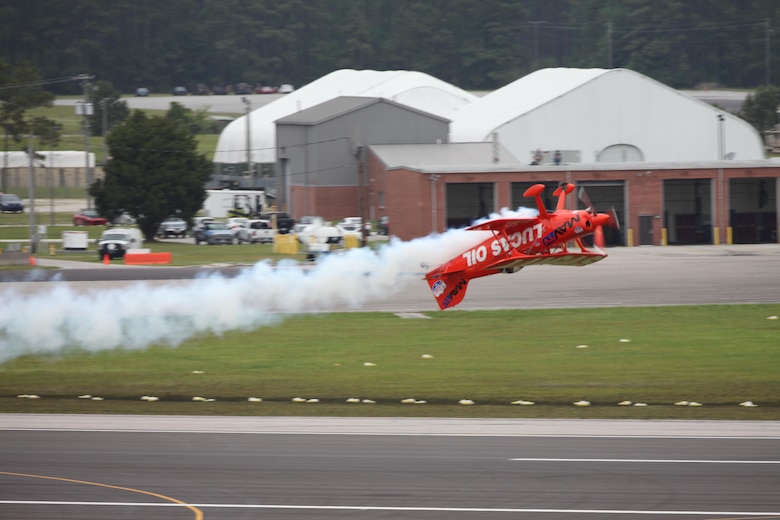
(598, 233)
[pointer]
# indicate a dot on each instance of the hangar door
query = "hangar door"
(467, 202)
(688, 211)
(753, 210)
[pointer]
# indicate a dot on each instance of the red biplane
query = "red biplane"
(519, 242)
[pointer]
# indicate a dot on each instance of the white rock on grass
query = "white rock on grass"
(625, 340)
(255, 399)
(466, 402)
(625, 403)
(85, 396)
(353, 400)
(523, 402)
(426, 356)
(369, 364)
(771, 317)
(581, 403)
(368, 401)
(408, 401)
(150, 398)
(748, 404)
(298, 400)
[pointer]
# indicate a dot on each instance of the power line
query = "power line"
(39, 82)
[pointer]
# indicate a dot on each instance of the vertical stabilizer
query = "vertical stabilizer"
(448, 289)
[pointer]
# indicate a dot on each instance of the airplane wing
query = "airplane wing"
(498, 224)
(576, 258)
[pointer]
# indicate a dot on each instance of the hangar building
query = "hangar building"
(604, 115)
(414, 89)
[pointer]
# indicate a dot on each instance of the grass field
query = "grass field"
(73, 132)
(718, 356)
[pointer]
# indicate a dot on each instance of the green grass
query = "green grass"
(716, 355)
(73, 132)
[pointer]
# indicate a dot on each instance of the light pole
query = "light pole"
(249, 166)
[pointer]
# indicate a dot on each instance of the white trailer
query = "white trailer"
(219, 203)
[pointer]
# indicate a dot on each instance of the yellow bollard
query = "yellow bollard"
(52, 250)
(351, 241)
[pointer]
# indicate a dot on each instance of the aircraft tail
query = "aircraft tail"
(449, 289)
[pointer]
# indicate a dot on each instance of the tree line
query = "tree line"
(474, 45)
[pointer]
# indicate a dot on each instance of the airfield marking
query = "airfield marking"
(176, 502)
(401, 508)
(662, 461)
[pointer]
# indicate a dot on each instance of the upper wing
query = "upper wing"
(499, 224)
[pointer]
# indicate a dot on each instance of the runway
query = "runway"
(331, 468)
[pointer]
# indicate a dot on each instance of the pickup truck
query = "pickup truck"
(256, 232)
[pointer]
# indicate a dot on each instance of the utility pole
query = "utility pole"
(767, 66)
(85, 108)
(536, 41)
(609, 44)
(31, 195)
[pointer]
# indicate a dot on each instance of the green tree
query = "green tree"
(108, 109)
(194, 121)
(760, 109)
(154, 172)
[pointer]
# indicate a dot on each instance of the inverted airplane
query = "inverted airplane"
(519, 242)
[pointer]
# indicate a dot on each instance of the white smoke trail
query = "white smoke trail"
(141, 314)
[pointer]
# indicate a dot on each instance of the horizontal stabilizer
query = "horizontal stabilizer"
(448, 289)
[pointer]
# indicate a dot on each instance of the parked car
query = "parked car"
(282, 221)
(256, 232)
(88, 217)
(242, 88)
(124, 219)
(353, 224)
(172, 227)
(201, 89)
(179, 91)
(236, 223)
(142, 92)
(10, 203)
(286, 88)
(267, 89)
(213, 233)
(199, 221)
